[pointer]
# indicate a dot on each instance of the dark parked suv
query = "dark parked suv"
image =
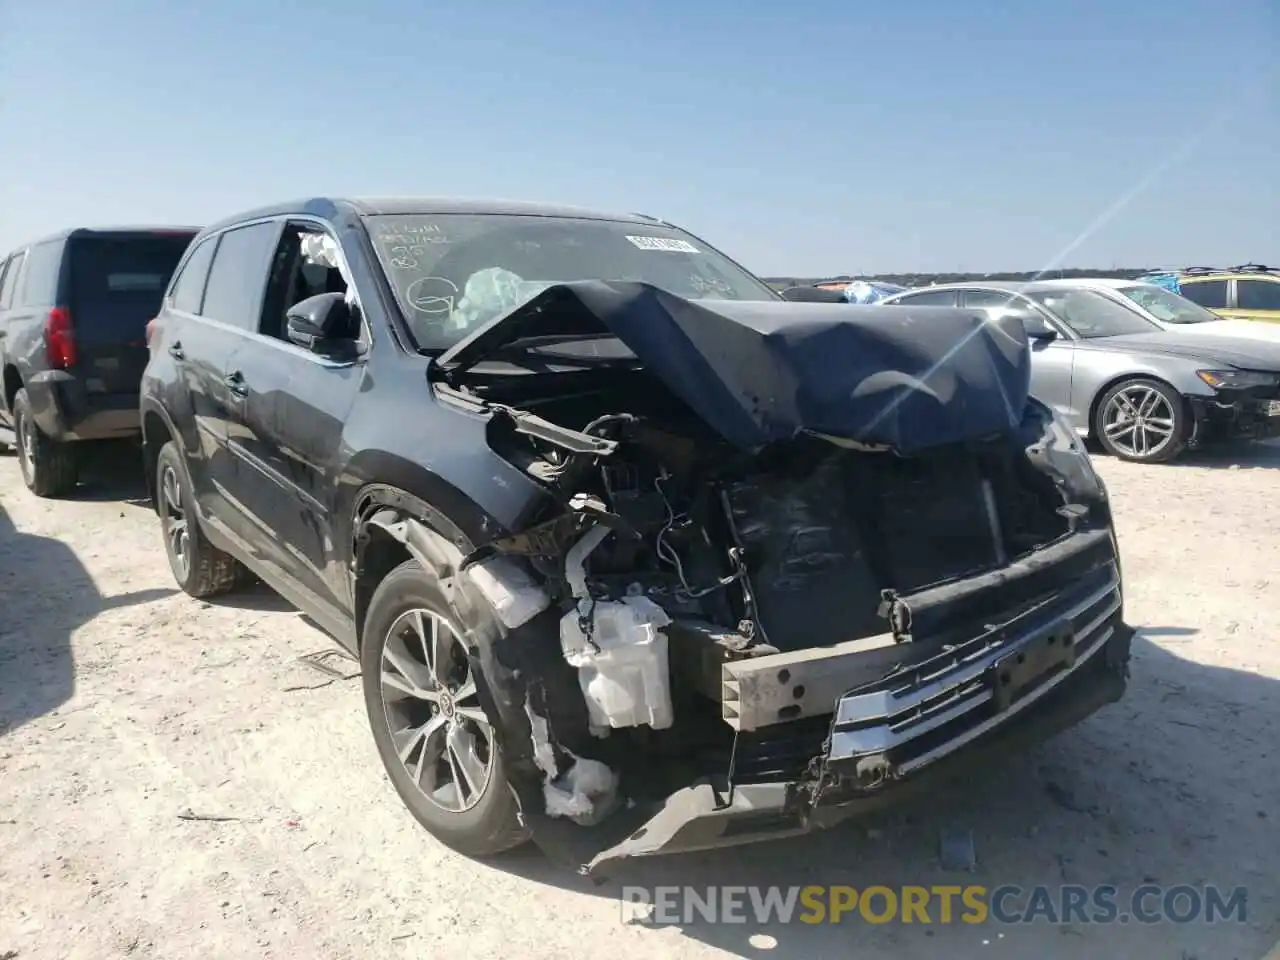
(636, 556)
(73, 314)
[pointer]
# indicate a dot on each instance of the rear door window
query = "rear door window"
(1208, 293)
(188, 286)
(238, 277)
(1257, 295)
(934, 298)
(10, 281)
(1001, 303)
(118, 281)
(44, 264)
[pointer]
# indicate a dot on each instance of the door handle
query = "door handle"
(176, 351)
(235, 383)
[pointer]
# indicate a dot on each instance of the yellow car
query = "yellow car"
(1248, 292)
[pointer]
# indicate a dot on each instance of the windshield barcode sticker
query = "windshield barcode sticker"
(663, 243)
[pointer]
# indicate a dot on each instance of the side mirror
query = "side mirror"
(322, 323)
(1037, 329)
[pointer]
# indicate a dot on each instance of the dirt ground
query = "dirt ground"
(124, 705)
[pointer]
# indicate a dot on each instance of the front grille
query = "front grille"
(931, 709)
(781, 752)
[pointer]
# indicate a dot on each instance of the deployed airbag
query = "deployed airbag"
(763, 371)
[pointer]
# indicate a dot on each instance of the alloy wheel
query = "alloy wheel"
(1139, 421)
(174, 519)
(27, 448)
(437, 726)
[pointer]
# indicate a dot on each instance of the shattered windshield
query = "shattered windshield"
(1166, 306)
(453, 273)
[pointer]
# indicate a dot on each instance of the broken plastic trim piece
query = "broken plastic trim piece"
(586, 791)
(574, 570)
(509, 590)
(426, 546)
(531, 425)
(551, 538)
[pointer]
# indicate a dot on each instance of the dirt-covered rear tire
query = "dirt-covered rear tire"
(200, 568)
(50, 468)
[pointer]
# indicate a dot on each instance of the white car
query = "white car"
(1171, 311)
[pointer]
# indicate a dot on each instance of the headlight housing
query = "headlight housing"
(1237, 379)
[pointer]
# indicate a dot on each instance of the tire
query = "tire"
(490, 825)
(49, 468)
(200, 568)
(1164, 409)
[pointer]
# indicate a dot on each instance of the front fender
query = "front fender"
(1096, 373)
(148, 407)
(520, 673)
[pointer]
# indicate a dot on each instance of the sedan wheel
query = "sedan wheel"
(441, 734)
(1143, 421)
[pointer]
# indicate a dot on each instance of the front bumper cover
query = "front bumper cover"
(1012, 685)
(1245, 417)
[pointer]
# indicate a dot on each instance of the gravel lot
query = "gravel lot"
(124, 704)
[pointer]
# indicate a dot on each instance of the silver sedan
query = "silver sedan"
(1144, 393)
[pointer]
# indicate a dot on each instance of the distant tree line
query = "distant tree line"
(924, 279)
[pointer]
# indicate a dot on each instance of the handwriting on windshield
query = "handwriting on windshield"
(405, 243)
(710, 285)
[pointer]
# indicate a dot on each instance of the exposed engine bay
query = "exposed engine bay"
(712, 624)
(666, 555)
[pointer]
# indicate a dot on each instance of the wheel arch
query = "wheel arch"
(524, 683)
(391, 525)
(1115, 381)
(376, 479)
(157, 430)
(12, 383)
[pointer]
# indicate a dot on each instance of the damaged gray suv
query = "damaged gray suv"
(636, 556)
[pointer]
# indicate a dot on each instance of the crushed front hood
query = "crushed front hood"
(763, 371)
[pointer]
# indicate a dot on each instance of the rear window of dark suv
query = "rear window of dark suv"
(121, 278)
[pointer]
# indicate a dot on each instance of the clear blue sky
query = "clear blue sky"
(803, 137)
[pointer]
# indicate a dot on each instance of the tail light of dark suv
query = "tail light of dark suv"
(60, 339)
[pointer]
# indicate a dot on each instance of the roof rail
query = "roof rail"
(1239, 268)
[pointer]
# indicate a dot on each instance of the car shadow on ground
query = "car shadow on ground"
(1247, 456)
(256, 596)
(1162, 779)
(112, 470)
(45, 596)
